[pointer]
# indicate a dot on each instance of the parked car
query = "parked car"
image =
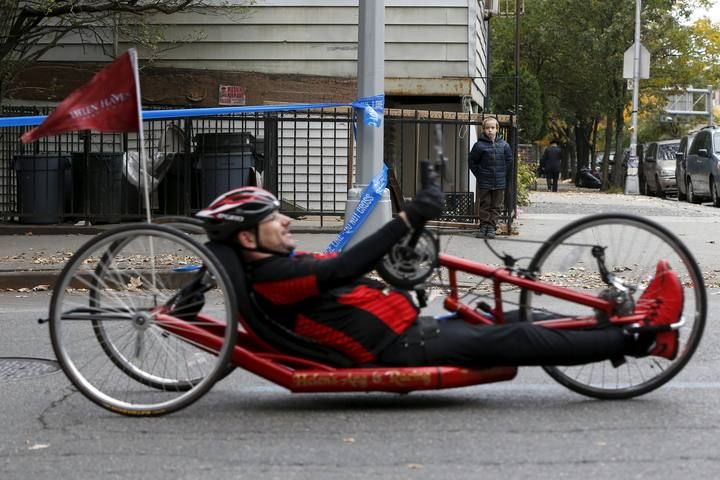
(658, 168)
(599, 161)
(703, 166)
(681, 165)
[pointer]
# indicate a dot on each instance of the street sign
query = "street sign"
(629, 61)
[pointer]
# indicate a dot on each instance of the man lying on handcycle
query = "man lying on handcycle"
(328, 299)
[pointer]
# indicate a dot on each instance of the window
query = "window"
(698, 143)
(667, 151)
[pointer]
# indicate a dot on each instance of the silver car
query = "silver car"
(658, 168)
(703, 166)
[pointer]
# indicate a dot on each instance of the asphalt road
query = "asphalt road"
(248, 428)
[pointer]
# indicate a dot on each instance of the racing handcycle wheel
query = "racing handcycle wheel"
(124, 334)
(631, 248)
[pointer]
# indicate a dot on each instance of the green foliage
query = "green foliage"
(574, 50)
(532, 119)
(526, 178)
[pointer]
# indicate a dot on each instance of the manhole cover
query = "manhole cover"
(16, 368)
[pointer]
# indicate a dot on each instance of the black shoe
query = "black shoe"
(490, 234)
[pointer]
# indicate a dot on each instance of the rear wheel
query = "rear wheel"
(691, 197)
(682, 195)
(659, 192)
(633, 246)
(112, 330)
(714, 193)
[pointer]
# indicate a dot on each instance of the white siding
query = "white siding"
(313, 164)
(425, 41)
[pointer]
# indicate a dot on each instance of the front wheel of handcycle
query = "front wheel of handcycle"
(143, 320)
(633, 246)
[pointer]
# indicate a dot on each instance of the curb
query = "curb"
(17, 280)
(48, 278)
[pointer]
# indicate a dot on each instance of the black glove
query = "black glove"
(429, 203)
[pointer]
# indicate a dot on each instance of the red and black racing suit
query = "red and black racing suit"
(326, 298)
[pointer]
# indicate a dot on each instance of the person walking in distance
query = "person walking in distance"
(550, 164)
(490, 159)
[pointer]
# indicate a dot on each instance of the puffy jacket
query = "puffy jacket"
(490, 161)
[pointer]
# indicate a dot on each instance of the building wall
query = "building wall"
(432, 47)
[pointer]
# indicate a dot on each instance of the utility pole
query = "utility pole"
(631, 181)
(371, 82)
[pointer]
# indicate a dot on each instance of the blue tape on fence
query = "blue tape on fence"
(373, 109)
(372, 112)
(369, 197)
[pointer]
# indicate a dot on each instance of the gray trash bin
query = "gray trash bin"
(41, 187)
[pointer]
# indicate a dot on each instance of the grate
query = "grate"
(17, 368)
(459, 207)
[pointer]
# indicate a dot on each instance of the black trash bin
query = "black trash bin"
(225, 161)
(178, 191)
(99, 185)
(42, 181)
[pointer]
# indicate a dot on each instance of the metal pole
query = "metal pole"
(711, 120)
(371, 82)
(631, 181)
(515, 128)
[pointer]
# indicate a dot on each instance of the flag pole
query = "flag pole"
(141, 137)
(143, 161)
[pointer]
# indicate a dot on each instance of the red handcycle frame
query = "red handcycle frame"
(301, 375)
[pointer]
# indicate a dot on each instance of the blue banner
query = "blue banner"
(369, 197)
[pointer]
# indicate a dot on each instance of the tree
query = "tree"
(31, 28)
(574, 48)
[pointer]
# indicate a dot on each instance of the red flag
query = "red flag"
(109, 102)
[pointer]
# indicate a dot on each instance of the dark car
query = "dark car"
(658, 168)
(681, 165)
(703, 166)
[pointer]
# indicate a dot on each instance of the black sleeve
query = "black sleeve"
(474, 160)
(361, 258)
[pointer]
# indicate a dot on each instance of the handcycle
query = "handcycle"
(145, 319)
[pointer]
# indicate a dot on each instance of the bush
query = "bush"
(525, 179)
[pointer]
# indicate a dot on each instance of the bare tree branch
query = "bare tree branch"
(29, 29)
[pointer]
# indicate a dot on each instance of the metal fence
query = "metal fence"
(304, 157)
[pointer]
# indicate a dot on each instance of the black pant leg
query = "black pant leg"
(518, 344)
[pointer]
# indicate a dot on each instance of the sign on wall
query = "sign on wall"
(231, 95)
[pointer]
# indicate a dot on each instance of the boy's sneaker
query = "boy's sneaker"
(490, 233)
(482, 232)
(662, 304)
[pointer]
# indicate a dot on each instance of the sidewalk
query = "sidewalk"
(32, 256)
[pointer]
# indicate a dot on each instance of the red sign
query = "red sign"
(107, 103)
(231, 95)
